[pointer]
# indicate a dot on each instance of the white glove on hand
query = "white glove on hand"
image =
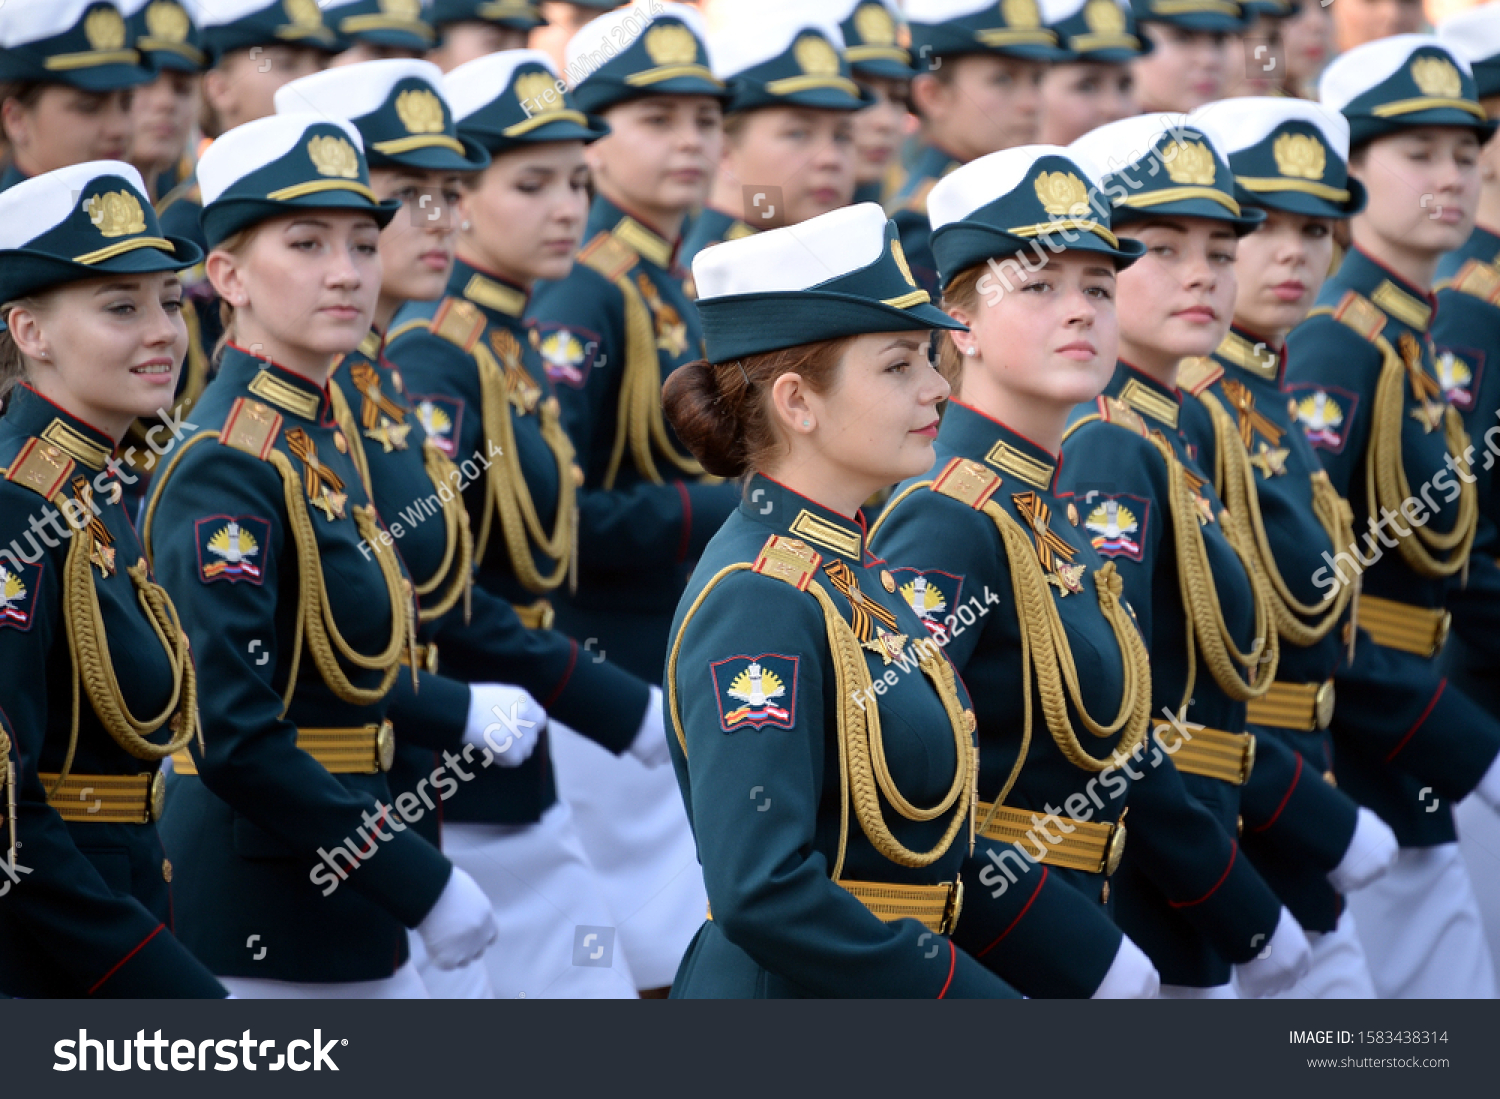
(504, 719)
(1489, 786)
(461, 925)
(650, 743)
(1284, 961)
(1131, 975)
(1371, 852)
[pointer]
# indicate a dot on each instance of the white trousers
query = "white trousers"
(1421, 929)
(1479, 840)
(1339, 969)
(404, 984)
(548, 903)
(635, 830)
(1187, 992)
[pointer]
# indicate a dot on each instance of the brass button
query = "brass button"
(1072, 514)
(887, 581)
(1330, 778)
(340, 442)
(431, 663)
(1104, 894)
(385, 745)
(1239, 826)
(166, 871)
(396, 381)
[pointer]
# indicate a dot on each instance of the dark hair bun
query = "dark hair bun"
(706, 419)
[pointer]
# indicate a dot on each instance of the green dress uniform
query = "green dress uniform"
(872, 33)
(1360, 369)
(790, 62)
(908, 209)
(1295, 516)
(97, 684)
(86, 900)
(609, 335)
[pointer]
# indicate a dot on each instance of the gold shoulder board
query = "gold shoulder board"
(1360, 314)
(967, 481)
(1121, 414)
(788, 559)
(608, 256)
(460, 323)
(252, 426)
(409, 326)
(41, 467)
(1198, 373)
(1481, 280)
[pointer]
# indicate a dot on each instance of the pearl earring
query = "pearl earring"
(969, 351)
(807, 423)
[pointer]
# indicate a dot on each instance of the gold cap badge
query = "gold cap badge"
(1300, 156)
(815, 56)
(539, 93)
(303, 13)
(671, 44)
(403, 9)
(875, 25)
(420, 112)
(117, 214)
(166, 20)
(1062, 194)
(1189, 162)
(1104, 17)
(1437, 77)
(1020, 13)
(105, 29)
(334, 156)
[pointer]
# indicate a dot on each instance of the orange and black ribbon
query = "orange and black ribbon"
(1423, 385)
(102, 554)
(863, 610)
(521, 388)
(1038, 516)
(375, 403)
(1250, 421)
(325, 488)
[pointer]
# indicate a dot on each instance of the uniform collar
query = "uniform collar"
(632, 232)
(495, 295)
(370, 347)
(1158, 403)
(286, 390)
(28, 412)
(1408, 305)
(793, 515)
(933, 162)
(722, 226)
(971, 434)
(12, 176)
(1246, 351)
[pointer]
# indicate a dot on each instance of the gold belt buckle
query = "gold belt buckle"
(430, 660)
(1444, 625)
(1249, 761)
(385, 745)
(156, 801)
(1323, 704)
(953, 906)
(1115, 850)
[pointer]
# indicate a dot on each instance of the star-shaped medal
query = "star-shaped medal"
(1067, 579)
(1270, 460)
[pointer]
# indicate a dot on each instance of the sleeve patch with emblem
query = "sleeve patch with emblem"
(18, 588)
(1458, 370)
(931, 593)
(441, 417)
(1323, 413)
(756, 691)
(568, 353)
(232, 547)
(1116, 525)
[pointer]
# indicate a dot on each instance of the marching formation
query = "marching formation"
(839, 498)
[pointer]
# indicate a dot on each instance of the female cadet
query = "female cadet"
(470, 29)
(1096, 85)
(1192, 56)
(1289, 158)
(786, 629)
(980, 67)
(254, 47)
(988, 517)
(610, 332)
(1147, 507)
(1397, 451)
(789, 130)
(92, 340)
(377, 30)
(67, 74)
(882, 69)
(296, 604)
(471, 382)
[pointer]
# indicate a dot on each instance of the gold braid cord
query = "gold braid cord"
(8, 787)
(315, 612)
(508, 492)
(94, 671)
(640, 414)
(1235, 479)
(1386, 485)
(440, 471)
(863, 770)
(1206, 629)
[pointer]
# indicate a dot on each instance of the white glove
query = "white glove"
(1489, 786)
(1370, 854)
(1284, 961)
(650, 743)
(460, 926)
(504, 719)
(1131, 975)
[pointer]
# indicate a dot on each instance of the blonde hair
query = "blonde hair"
(963, 294)
(234, 244)
(12, 362)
